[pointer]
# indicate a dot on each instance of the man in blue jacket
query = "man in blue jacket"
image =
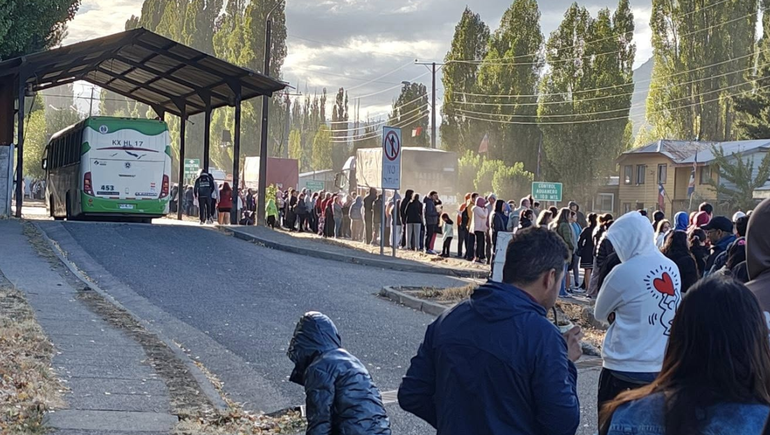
(495, 364)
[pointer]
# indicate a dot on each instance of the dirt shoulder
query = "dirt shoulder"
(28, 384)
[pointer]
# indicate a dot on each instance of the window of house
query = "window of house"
(605, 202)
(626, 207)
(640, 170)
(705, 174)
(628, 174)
(662, 173)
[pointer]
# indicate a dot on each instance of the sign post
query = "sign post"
(315, 185)
(191, 167)
(391, 174)
(547, 191)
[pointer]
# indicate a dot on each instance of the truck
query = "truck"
(422, 170)
(282, 173)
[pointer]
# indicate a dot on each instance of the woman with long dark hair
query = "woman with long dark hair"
(525, 219)
(402, 210)
(677, 250)
(413, 219)
(564, 229)
(586, 249)
(715, 377)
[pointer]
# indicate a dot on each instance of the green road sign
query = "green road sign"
(547, 191)
(191, 167)
(315, 185)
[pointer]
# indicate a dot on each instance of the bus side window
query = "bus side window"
(70, 143)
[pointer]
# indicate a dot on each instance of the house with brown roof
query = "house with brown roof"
(670, 163)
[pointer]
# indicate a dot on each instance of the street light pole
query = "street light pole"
(433, 67)
(262, 188)
(433, 111)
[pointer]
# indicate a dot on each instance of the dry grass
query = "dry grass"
(451, 294)
(28, 385)
(576, 314)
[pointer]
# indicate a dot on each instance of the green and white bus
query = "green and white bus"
(109, 167)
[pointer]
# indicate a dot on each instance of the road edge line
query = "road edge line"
(325, 255)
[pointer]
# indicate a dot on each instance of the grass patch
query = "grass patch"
(451, 294)
(28, 385)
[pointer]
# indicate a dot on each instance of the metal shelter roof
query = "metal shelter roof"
(146, 67)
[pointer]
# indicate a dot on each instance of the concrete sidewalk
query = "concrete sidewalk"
(112, 390)
(284, 241)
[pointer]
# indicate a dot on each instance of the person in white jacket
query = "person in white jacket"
(639, 298)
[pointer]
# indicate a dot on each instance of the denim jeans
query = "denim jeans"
(563, 289)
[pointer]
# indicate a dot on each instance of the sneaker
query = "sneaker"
(578, 290)
(567, 296)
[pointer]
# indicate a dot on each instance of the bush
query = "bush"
(483, 180)
(467, 167)
(512, 182)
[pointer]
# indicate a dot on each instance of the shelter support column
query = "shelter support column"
(182, 132)
(20, 146)
(236, 157)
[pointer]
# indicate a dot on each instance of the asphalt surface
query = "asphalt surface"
(233, 305)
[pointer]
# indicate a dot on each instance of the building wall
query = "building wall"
(632, 195)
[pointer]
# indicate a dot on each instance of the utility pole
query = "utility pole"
(91, 102)
(262, 188)
(433, 69)
(433, 111)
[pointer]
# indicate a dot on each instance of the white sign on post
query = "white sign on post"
(391, 158)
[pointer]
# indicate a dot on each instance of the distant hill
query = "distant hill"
(642, 76)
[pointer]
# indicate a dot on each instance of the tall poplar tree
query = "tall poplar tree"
(586, 95)
(512, 66)
(469, 45)
(340, 117)
(702, 54)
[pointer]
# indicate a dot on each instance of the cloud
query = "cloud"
(355, 43)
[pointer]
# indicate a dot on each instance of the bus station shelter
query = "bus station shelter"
(170, 77)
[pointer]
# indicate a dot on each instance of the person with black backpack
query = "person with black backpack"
(204, 191)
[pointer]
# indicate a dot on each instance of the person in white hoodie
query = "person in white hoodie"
(638, 299)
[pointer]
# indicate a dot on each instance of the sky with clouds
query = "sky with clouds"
(367, 46)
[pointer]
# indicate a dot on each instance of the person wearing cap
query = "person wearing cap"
(720, 233)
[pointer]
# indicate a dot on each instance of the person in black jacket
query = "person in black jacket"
(676, 249)
(413, 222)
(699, 249)
(340, 396)
(402, 211)
(586, 249)
(431, 221)
(369, 214)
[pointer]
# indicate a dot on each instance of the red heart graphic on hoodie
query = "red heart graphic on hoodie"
(664, 284)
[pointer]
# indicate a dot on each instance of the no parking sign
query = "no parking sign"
(391, 158)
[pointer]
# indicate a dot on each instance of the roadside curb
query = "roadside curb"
(435, 309)
(326, 255)
(418, 304)
(207, 388)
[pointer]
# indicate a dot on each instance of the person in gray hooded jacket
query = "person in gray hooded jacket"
(341, 398)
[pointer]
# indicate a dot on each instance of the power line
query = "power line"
(484, 62)
(498, 121)
(381, 122)
(641, 91)
(394, 87)
(589, 42)
(387, 114)
(609, 87)
(399, 124)
(604, 112)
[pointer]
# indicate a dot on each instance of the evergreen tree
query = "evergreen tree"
(471, 37)
(737, 182)
(512, 66)
(585, 85)
(322, 149)
(410, 112)
(754, 106)
(701, 53)
(340, 116)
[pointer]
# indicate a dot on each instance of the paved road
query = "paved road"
(233, 305)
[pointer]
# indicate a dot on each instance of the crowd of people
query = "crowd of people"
(687, 349)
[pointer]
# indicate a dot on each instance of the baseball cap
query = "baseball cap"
(719, 223)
